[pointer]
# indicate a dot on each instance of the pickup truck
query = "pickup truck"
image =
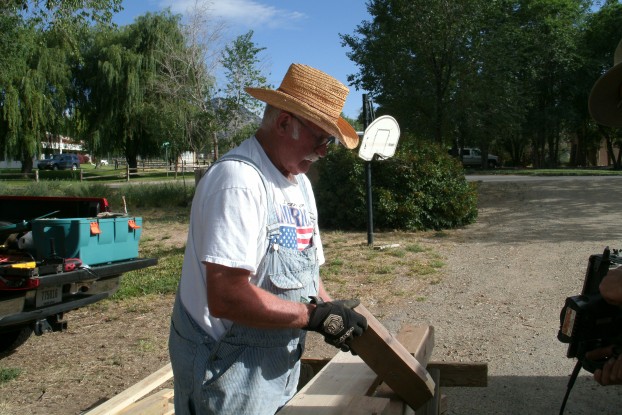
(473, 157)
(43, 275)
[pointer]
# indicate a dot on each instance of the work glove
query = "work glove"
(336, 321)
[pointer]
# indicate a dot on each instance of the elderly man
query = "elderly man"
(250, 285)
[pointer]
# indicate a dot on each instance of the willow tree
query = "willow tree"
(38, 45)
(35, 87)
(120, 82)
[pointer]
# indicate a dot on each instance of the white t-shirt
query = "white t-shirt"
(228, 223)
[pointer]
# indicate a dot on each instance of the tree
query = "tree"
(35, 87)
(409, 57)
(188, 78)
(242, 69)
(80, 12)
(474, 72)
(122, 97)
(38, 47)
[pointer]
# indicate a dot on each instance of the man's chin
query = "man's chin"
(304, 166)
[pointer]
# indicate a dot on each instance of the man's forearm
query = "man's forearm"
(232, 297)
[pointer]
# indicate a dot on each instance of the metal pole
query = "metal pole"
(370, 214)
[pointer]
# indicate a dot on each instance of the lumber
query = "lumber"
(334, 405)
(461, 374)
(158, 403)
(344, 374)
(384, 354)
(467, 374)
(134, 393)
(418, 340)
(432, 407)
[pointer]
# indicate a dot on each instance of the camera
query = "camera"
(587, 321)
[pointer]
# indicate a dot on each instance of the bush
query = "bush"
(420, 188)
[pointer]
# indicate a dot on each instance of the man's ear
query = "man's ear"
(283, 122)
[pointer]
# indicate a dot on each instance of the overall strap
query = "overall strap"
(305, 195)
(272, 227)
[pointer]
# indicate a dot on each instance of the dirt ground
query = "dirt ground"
(504, 282)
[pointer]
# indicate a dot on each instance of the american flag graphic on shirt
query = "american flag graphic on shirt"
(296, 230)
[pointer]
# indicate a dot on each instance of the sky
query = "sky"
(291, 31)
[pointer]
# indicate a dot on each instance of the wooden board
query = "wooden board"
(418, 340)
(304, 404)
(134, 393)
(384, 354)
(344, 374)
(332, 388)
(461, 374)
(159, 403)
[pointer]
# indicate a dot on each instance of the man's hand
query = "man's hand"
(611, 373)
(336, 321)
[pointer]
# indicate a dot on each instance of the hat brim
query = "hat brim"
(604, 99)
(342, 130)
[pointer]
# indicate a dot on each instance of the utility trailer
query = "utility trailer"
(58, 254)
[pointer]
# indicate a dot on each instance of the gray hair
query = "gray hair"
(269, 117)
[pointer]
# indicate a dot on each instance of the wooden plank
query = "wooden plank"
(157, 404)
(344, 374)
(418, 340)
(304, 404)
(462, 374)
(392, 362)
(133, 393)
(366, 405)
(432, 407)
(470, 374)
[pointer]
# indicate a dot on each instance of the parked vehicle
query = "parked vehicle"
(58, 254)
(473, 157)
(60, 162)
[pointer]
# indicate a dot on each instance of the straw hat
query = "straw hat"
(314, 96)
(605, 102)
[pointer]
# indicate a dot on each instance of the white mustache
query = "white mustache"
(313, 157)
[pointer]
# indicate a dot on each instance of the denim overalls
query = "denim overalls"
(248, 371)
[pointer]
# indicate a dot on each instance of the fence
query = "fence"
(119, 170)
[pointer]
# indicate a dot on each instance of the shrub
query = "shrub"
(420, 188)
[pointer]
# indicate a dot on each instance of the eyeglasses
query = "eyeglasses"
(324, 141)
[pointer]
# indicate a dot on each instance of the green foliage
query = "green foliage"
(500, 75)
(122, 102)
(419, 188)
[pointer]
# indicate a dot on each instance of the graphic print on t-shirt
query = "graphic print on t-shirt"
(296, 230)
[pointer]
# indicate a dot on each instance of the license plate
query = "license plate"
(47, 296)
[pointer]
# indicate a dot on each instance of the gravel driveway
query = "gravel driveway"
(508, 277)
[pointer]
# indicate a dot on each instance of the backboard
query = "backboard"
(380, 138)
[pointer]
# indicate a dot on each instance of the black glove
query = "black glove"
(336, 321)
